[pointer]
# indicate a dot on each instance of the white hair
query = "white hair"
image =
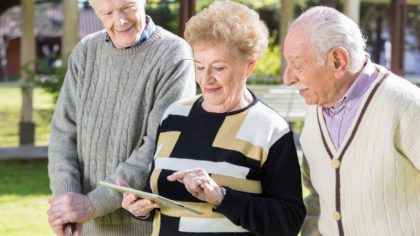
(326, 29)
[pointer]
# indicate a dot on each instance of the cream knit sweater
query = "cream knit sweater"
(371, 185)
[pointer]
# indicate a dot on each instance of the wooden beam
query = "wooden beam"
(330, 3)
(70, 28)
(27, 59)
(397, 28)
(286, 16)
(352, 9)
(379, 41)
(24, 153)
(187, 10)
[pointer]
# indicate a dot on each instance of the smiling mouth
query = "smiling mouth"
(211, 90)
(124, 30)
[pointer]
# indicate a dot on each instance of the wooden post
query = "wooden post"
(397, 28)
(330, 3)
(187, 10)
(27, 59)
(352, 9)
(379, 41)
(286, 16)
(70, 28)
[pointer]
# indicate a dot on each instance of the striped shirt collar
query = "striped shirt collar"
(147, 32)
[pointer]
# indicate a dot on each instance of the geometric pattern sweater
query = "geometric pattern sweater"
(250, 152)
(371, 184)
(106, 118)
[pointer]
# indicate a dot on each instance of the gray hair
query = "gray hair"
(326, 29)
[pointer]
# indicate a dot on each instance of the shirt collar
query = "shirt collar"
(362, 82)
(147, 32)
(357, 89)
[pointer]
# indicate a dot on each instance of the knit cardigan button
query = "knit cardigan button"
(336, 215)
(335, 163)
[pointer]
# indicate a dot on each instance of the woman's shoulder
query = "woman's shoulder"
(267, 117)
(181, 107)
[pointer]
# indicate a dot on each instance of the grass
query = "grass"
(24, 193)
(10, 109)
(24, 185)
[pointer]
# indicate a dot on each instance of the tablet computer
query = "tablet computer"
(154, 197)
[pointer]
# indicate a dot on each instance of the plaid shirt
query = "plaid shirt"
(147, 32)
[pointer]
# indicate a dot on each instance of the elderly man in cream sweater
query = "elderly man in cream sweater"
(361, 137)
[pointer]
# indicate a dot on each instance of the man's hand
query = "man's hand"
(70, 208)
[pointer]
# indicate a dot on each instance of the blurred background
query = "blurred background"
(36, 37)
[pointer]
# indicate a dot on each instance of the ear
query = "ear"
(250, 67)
(339, 58)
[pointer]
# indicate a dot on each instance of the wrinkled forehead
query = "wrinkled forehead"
(295, 42)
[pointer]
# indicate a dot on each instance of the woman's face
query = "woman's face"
(221, 74)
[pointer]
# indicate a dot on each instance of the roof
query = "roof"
(48, 21)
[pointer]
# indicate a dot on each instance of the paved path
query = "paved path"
(24, 153)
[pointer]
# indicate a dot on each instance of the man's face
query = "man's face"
(124, 20)
(316, 82)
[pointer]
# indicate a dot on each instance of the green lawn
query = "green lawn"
(24, 186)
(10, 109)
(24, 191)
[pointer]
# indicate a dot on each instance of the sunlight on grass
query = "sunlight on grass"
(24, 195)
(24, 215)
(10, 109)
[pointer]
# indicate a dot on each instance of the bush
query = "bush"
(267, 70)
(50, 78)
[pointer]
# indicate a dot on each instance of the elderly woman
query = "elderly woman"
(224, 152)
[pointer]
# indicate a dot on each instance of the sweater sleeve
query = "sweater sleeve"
(63, 167)
(279, 210)
(310, 224)
(175, 82)
(407, 138)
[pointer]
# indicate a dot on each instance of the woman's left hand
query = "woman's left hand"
(199, 184)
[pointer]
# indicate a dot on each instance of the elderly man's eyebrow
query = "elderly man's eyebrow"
(129, 4)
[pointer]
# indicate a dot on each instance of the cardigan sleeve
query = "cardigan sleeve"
(63, 166)
(279, 210)
(310, 224)
(407, 138)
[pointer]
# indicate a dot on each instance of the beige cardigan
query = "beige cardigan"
(371, 185)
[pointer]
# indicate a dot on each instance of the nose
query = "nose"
(120, 19)
(289, 78)
(206, 75)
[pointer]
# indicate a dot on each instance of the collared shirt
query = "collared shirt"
(147, 32)
(340, 117)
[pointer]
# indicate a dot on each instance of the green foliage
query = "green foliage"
(24, 193)
(267, 70)
(49, 78)
(164, 14)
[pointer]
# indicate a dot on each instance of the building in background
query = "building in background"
(48, 32)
